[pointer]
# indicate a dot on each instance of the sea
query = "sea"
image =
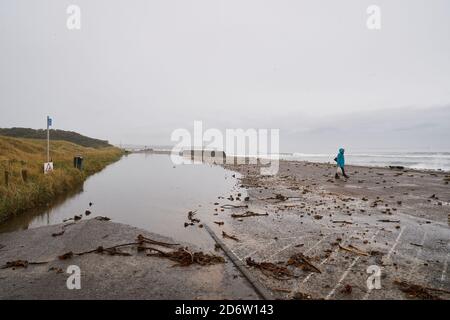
(429, 160)
(407, 159)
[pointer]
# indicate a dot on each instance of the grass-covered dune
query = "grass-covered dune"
(27, 186)
(55, 134)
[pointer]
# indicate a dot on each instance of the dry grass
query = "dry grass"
(18, 155)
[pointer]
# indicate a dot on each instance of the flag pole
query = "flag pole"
(48, 140)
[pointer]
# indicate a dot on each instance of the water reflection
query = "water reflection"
(146, 191)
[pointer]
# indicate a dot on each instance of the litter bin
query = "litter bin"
(78, 162)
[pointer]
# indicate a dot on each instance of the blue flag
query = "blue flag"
(49, 121)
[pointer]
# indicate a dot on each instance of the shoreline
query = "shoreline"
(232, 160)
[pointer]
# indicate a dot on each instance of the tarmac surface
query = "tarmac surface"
(105, 276)
(390, 223)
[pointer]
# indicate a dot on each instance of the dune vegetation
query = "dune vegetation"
(23, 184)
(56, 134)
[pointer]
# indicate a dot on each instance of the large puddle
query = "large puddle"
(146, 191)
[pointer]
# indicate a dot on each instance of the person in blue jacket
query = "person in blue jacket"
(340, 160)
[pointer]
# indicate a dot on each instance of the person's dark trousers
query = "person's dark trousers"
(343, 172)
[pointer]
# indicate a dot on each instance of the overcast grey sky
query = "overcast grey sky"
(139, 69)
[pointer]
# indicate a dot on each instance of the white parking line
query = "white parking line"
(285, 247)
(345, 274)
(366, 296)
(257, 250)
(313, 246)
(272, 242)
(317, 243)
(235, 254)
(444, 270)
(416, 258)
(420, 220)
(326, 259)
(248, 243)
(395, 243)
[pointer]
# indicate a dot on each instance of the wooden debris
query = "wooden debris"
(301, 296)
(271, 270)
(347, 289)
(248, 214)
(16, 264)
(191, 215)
(56, 269)
(289, 205)
(397, 167)
(226, 235)
(141, 239)
(299, 260)
(353, 249)
(415, 244)
(20, 264)
(220, 223)
(56, 234)
(417, 291)
(387, 220)
(66, 256)
(281, 290)
(112, 251)
(100, 218)
(184, 257)
(280, 197)
(342, 221)
(231, 206)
